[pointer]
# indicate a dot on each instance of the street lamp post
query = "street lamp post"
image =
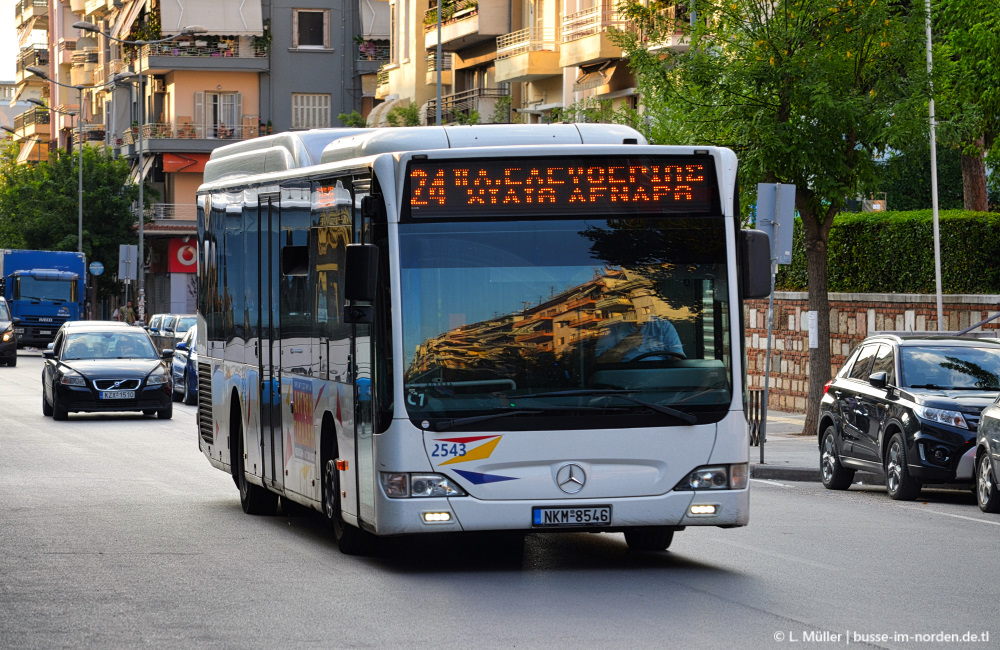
(79, 199)
(187, 31)
(41, 73)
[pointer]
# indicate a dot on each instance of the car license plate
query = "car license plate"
(117, 394)
(578, 516)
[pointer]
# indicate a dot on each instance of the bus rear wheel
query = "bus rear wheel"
(650, 539)
(350, 540)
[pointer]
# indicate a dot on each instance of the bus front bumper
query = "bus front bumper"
(726, 508)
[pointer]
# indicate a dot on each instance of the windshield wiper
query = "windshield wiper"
(687, 418)
(457, 422)
(927, 386)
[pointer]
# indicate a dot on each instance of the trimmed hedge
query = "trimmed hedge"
(893, 252)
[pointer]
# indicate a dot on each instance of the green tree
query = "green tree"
(904, 178)
(408, 115)
(808, 92)
(968, 100)
(353, 120)
(38, 205)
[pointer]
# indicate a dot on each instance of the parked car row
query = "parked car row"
(167, 330)
(918, 409)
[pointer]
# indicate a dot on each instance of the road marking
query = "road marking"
(948, 514)
(764, 480)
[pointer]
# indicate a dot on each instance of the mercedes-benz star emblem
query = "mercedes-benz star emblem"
(570, 478)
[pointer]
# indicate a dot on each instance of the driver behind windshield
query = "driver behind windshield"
(626, 340)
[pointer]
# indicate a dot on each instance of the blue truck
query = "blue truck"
(44, 289)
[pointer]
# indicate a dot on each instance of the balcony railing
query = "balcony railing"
(482, 100)
(26, 9)
(31, 117)
(591, 21)
(374, 51)
(432, 62)
(218, 50)
(451, 11)
(532, 39)
(181, 211)
(91, 133)
(165, 130)
(382, 79)
(34, 56)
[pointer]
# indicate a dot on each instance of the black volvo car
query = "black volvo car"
(908, 407)
(100, 367)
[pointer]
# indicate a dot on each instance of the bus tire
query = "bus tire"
(350, 540)
(254, 499)
(649, 539)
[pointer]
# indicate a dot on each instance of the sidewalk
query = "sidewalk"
(790, 456)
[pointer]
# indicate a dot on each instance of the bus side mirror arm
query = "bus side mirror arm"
(755, 270)
(360, 282)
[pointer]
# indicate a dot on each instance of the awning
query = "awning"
(148, 165)
(29, 151)
(125, 20)
(375, 19)
(593, 76)
(225, 17)
(191, 162)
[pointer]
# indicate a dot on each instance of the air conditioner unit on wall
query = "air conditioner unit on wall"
(159, 85)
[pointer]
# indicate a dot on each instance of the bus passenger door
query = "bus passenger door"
(361, 366)
(269, 350)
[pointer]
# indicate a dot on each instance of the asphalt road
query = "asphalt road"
(115, 532)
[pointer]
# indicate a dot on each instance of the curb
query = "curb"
(809, 474)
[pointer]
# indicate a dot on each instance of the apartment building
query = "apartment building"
(254, 66)
(508, 60)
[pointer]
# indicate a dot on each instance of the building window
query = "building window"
(311, 29)
(310, 111)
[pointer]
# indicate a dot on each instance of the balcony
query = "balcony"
(35, 56)
(28, 10)
(220, 55)
(65, 51)
(174, 211)
(432, 68)
(371, 55)
(160, 137)
(33, 122)
(95, 8)
(466, 22)
(93, 135)
(585, 35)
(481, 100)
(527, 55)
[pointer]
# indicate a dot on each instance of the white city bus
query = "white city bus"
(489, 328)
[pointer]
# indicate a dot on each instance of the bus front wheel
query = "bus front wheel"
(650, 539)
(350, 540)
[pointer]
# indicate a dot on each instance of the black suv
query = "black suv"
(907, 406)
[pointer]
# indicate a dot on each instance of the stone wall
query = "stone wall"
(853, 316)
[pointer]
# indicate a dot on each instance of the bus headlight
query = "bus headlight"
(401, 485)
(715, 477)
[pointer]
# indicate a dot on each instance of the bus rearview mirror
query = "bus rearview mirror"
(361, 272)
(755, 269)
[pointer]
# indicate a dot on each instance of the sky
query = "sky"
(8, 41)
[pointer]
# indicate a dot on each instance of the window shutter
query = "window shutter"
(295, 28)
(238, 100)
(326, 29)
(199, 111)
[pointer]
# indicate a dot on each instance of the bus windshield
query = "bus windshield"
(589, 319)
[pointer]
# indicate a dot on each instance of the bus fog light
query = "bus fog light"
(436, 517)
(396, 485)
(433, 485)
(738, 476)
(703, 510)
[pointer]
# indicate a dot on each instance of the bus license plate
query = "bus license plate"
(117, 394)
(45, 332)
(579, 516)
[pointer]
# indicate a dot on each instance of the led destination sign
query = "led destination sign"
(606, 185)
